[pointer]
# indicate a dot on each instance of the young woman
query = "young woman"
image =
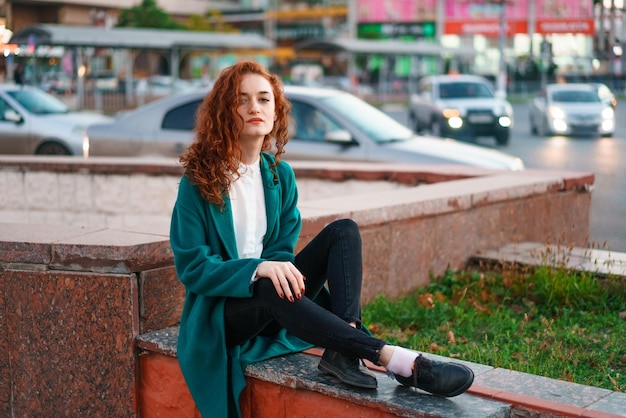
(249, 297)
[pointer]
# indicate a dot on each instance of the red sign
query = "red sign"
(484, 27)
(473, 17)
(547, 26)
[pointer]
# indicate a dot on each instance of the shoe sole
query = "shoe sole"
(337, 373)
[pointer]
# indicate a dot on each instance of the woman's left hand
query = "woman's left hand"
(287, 279)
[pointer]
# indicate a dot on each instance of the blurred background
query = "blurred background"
(374, 48)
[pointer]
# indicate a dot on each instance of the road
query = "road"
(605, 157)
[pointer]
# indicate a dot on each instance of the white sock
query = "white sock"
(401, 362)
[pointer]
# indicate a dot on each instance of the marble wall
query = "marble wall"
(74, 298)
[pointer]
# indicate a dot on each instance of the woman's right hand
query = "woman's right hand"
(287, 279)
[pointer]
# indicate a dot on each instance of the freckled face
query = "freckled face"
(256, 107)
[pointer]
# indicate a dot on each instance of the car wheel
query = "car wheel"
(542, 128)
(502, 138)
(52, 148)
(435, 128)
(413, 122)
(533, 128)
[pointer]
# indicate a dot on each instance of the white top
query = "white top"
(247, 199)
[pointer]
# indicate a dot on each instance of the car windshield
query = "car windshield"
(374, 123)
(575, 96)
(38, 102)
(464, 90)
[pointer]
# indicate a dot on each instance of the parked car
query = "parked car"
(460, 106)
(104, 81)
(571, 109)
(56, 82)
(162, 85)
(329, 125)
(35, 122)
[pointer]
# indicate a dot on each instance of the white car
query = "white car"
(35, 122)
(460, 106)
(571, 109)
(162, 85)
(329, 125)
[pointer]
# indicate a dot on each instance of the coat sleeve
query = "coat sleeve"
(199, 255)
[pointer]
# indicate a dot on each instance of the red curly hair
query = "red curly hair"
(215, 152)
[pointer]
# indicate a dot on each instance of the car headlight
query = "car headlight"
(85, 145)
(556, 112)
(505, 121)
(455, 122)
(81, 132)
(608, 113)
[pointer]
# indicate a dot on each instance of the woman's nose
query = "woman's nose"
(254, 107)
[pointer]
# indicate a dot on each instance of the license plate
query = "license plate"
(583, 122)
(480, 118)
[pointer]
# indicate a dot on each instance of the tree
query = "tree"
(212, 21)
(147, 15)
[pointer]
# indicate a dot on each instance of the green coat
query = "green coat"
(202, 238)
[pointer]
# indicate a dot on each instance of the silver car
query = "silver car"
(571, 109)
(329, 125)
(35, 122)
(461, 106)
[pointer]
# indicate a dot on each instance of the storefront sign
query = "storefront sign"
(471, 17)
(546, 26)
(418, 30)
(394, 11)
(294, 32)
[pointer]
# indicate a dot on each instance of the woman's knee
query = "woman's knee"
(348, 229)
(264, 289)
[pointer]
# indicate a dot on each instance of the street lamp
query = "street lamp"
(502, 45)
(502, 73)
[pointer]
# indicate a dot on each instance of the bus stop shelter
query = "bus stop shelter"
(172, 43)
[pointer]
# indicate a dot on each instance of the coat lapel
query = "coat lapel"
(272, 198)
(225, 228)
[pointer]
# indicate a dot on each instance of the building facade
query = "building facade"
(506, 35)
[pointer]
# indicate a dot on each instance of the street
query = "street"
(602, 156)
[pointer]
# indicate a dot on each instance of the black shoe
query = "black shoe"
(441, 379)
(347, 370)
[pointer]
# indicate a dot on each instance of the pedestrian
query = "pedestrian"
(18, 74)
(249, 297)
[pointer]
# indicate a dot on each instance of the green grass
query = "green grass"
(547, 322)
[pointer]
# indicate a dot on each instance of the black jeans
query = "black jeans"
(333, 257)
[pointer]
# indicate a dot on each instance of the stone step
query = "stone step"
(290, 386)
(599, 261)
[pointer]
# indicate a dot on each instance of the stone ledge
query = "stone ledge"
(80, 248)
(408, 174)
(495, 393)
